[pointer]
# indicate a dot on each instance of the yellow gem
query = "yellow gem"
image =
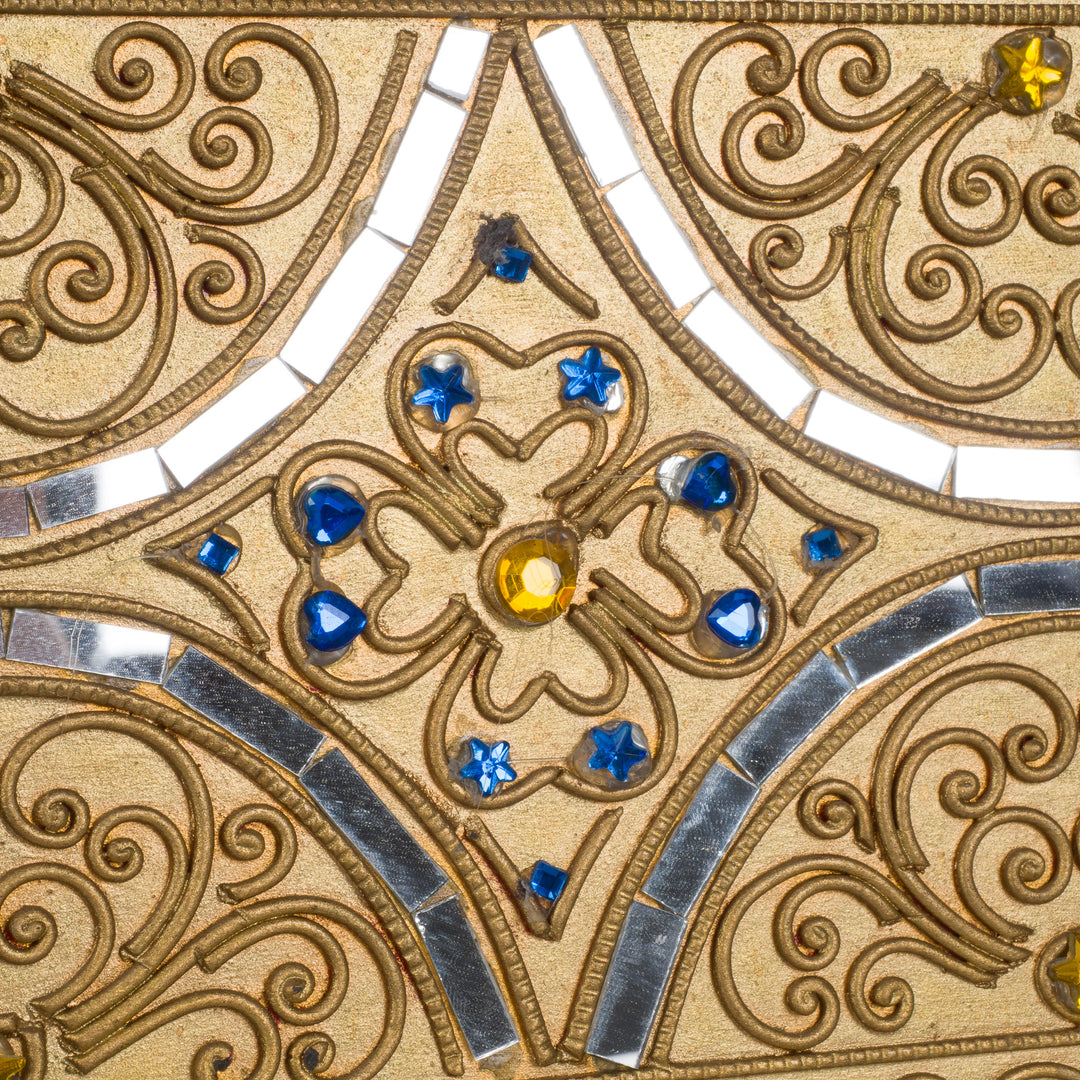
(1027, 74)
(535, 579)
(11, 1067)
(1066, 971)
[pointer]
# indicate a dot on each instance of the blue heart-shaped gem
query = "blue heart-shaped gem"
(737, 619)
(710, 485)
(333, 621)
(331, 514)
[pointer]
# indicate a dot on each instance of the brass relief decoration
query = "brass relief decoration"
(538, 539)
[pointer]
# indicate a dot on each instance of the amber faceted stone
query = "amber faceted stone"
(535, 579)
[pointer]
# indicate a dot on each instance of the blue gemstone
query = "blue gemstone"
(547, 881)
(616, 751)
(488, 766)
(512, 264)
(442, 390)
(710, 485)
(822, 547)
(217, 553)
(736, 618)
(588, 377)
(331, 514)
(333, 621)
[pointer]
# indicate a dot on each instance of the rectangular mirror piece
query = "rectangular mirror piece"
(911, 630)
(238, 707)
(473, 993)
(126, 652)
(700, 839)
(1016, 588)
(636, 978)
(790, 718)
(368, 823)
(81, 493)
(241, 412)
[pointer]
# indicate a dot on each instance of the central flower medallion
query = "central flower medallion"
(535, 576)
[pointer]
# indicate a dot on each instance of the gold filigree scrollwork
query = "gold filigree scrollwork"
(977, 946)
(137, 1001)
(912, 118)
(40, 110)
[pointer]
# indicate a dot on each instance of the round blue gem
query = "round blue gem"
(512, 264)
(217, 553)
(822, 547)
(616, 751)
(333, 621)
(710, 485)
(331, 514)
(488, 766)
(736, 618)
(547, 881)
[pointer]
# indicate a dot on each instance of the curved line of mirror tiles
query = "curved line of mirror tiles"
(655, 926)
(653, 931)
(978, 472)
(333, 316)
(344, 298)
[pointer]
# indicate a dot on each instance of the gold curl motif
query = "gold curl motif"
(97, 1026)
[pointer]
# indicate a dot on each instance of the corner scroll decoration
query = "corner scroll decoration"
(978, 944)
(41, 115)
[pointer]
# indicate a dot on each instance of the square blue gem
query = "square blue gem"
(512, 264)
(822, 547)
(217, 553)
(547, 881)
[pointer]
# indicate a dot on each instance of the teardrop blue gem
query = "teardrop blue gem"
(331, 514)
(333, 621)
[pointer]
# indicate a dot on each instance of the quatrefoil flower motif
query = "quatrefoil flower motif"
(529, 573)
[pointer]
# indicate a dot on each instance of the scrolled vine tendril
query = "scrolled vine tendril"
(54, 191)
(218, 152)
(131, 83)
(240, 841)
(780, 247)
(233, 81)
(93, 283)
(830, 809)
(968, 186)
(888, 1005)
(860, 76)
(215, 278)
(1051, 194)
(119, 859)
(1022, 869)
(25, 339)
(30, 932)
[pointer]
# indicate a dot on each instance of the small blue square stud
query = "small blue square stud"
(821, 548)
(217, 553)
(547, 881)
(512, 264)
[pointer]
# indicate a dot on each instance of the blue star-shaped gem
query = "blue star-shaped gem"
(442, 390)
(616, 751)
(588, 377)
(489, 766)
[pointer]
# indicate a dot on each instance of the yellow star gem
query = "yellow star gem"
(1027, 74)
(11, 1067)
(1066, 971)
